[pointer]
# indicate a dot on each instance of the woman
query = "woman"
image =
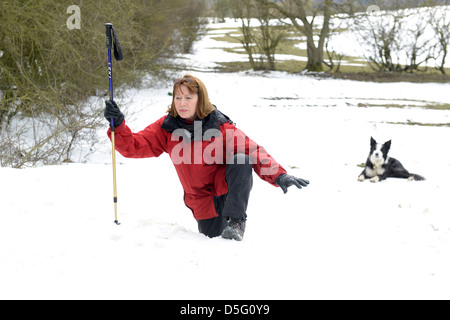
(213, 159)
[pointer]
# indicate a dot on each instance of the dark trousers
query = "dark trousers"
(234, 203)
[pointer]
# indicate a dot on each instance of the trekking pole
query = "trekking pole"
(112, 41)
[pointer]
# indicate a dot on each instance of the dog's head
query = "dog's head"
(379, 152)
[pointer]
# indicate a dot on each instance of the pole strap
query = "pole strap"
(112, 41)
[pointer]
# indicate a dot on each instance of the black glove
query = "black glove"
(112, 111)
(284, 181)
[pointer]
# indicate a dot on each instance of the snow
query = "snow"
(336, 239)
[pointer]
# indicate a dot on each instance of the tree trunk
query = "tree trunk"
(315, 56)
(315, 52)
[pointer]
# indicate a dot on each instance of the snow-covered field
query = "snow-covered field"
(336, 239)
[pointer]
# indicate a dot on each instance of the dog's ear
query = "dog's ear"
(372, 141)
(387, 145)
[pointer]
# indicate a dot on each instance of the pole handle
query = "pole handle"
(109, 39)
(112, 41)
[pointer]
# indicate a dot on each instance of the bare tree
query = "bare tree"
(381, 33)
(222, 8)
(261, 40)
(440, 22)
(400, 41)
(334, 58)
(302, 15)
(417, 44)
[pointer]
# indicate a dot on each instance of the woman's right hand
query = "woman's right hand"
(112, 111)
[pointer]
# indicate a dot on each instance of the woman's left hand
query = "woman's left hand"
(284, 181)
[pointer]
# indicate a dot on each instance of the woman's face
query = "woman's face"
(186, 103)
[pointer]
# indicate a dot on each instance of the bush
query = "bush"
(53, 78)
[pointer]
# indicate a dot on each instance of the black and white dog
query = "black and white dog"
(379, 166)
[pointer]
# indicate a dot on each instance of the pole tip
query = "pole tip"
(117, 222)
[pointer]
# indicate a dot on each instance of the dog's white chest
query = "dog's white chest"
(376, 171)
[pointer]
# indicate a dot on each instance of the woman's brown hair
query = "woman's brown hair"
(195, 86)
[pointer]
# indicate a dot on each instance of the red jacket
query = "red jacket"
(199, 153)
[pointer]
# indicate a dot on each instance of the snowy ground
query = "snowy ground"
(336, 239)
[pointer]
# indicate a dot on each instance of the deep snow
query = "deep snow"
(336, 239)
